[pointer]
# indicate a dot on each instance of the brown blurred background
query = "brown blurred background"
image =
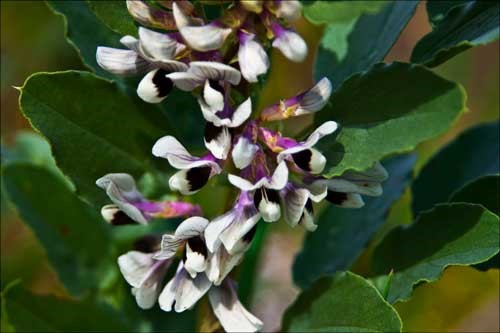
(32, 40)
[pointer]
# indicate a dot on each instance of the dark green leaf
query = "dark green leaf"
(473, 154)
(114, 15)
(344, 303)
(343, 233)
(483, 191)
(450, 234)
(92, 126)
(387, 110)
(29, 312)
(437, 9)
(471, 24)
(354, 46)
(85, 31)
(321, 12)
(74, 236)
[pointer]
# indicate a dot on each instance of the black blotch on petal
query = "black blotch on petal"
(309, 206)
(215, 85)
(147, 244)
(336, 198)
(198, 177)
(271, 195)
(303, 159)
(120, 218)
(198, 245)
(162, 83)
(212, 131)
(248, 237)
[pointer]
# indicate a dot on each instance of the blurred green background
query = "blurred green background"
(32, 40)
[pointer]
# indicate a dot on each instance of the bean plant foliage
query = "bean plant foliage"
(162, 139)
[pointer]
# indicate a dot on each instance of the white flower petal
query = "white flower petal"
(167, 296)
(156, 45)
(289, 10)
(181, 19)
(205, 38)
(217, 140)
(191, 227)
(279, 178)
(317, 190)
(131, 42)
(170, 148)
(211, 70)
(212, 98)
(234, 233)
(215, 228)
(121, 62)
(121, 189)
(230, 312)
(253, 60)
(269, 210)
(155, 86)
(243, 152)
(169, 246)
(244, 184)
(291, 45)
(189, 291)
(146, 297)
(345, 200)
(195, 261)
(136, 267)
(376, 173)
(339, 184)
(221, 264)
(241, 114)
(324, 129)
(315, 98)
(294, 200)
(184, 81)
(307, 221)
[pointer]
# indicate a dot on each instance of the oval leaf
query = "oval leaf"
(471, 155)
(387, 110)
(470, 24)
(346, 232)
(450, 234)
(92, 126)
(344, 303)
(354, 45)
(74, 236)
(114, 15)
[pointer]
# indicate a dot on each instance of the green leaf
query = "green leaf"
(338, 11)
(32, 148)
(355, 45)
(343, 233)
(85, 32)
(450, 234)
(344, 303)
(92, 126)
(438, 9)
(482, 191)
(472, 155)
(74, 236)
(29, 312)
(114, 15)
(470, 24)
(387, 110)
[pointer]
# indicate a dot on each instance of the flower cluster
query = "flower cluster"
(276, 176)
